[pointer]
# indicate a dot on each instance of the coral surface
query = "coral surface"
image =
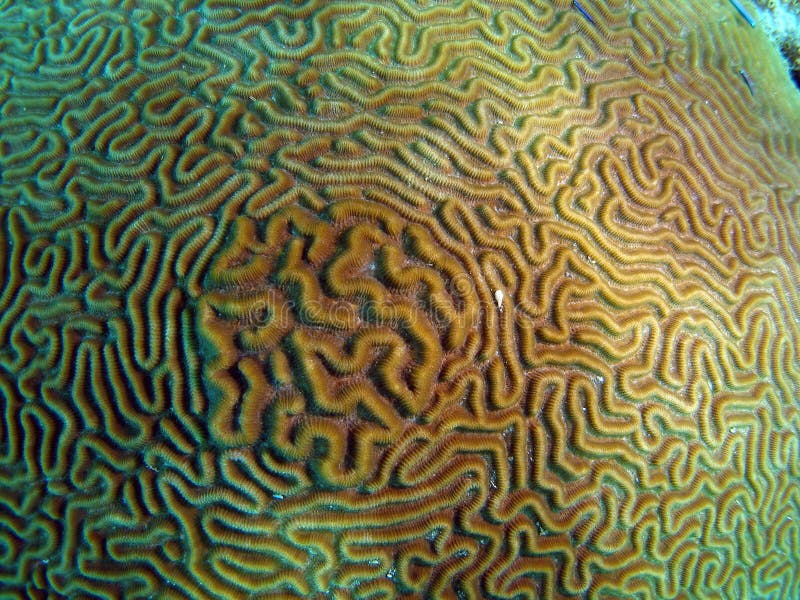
(397, 299)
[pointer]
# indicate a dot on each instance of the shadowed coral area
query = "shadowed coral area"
(396, 299)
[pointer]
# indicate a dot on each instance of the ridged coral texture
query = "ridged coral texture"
(397, 299)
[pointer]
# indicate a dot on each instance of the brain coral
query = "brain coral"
(397, 299)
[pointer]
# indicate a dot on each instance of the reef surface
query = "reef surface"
(397, 299)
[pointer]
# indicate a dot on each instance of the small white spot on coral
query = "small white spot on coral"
(498, 297)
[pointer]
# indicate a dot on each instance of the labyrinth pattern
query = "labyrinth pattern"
(397, 299)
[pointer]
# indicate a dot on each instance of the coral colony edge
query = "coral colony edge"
(475, 299)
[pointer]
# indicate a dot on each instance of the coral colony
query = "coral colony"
(389, 299)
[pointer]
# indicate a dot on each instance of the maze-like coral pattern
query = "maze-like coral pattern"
(382, 299)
